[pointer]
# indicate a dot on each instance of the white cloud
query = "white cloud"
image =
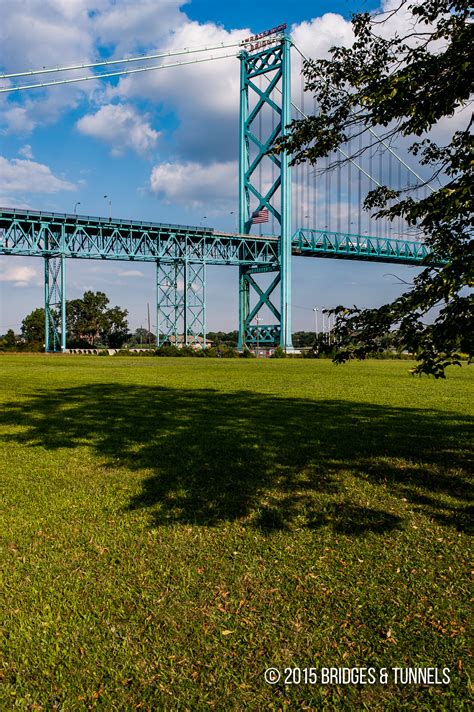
(8, 201)
(132, 25)
(205, 96)
(130, 273)
(17, 121)
(316, 36)
(65, 32)
(121, 126)
(19, 175)
(26, 152)
(195, 184)
(21, 275)
(54, 32)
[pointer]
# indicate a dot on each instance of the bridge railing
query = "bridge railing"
(72, 219)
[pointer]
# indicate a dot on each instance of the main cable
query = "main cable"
(103, 75)
(109, 62)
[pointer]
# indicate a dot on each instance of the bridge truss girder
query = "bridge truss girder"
(56, 237)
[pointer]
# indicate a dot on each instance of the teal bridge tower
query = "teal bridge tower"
(181, 253)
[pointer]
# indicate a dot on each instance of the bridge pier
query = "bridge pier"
(55, 303)
(180, 301)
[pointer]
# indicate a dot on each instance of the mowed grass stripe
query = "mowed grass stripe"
(175, 526)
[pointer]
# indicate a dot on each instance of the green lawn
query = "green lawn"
(175, 526)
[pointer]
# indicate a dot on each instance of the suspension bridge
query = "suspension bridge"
(310, 213)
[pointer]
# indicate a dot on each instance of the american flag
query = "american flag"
(260, 216)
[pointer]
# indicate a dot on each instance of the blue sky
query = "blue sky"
(162, 146)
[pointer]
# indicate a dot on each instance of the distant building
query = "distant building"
(264, 352)
(194, 342)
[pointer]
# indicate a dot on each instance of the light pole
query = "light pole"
(315, 310)
(75, 207)
(257, 319)
(204, 217)
(232, 212)
(110, 207)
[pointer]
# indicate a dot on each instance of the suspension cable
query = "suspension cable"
(103, 75)
(126, 60)
(340, 150)
(378, 138)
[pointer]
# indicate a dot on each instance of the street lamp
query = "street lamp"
(315, 310)
(75, 207)
(257, 319)
(232, 212)
(110, 207)
(204, 217)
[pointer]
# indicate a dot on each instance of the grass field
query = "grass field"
(175, 526)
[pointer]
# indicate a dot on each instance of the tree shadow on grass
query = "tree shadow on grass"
(266, 460)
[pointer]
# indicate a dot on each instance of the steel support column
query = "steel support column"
(180, 301)
(170, 303)
(55, 303)
(244, 201)
(286, 234)
(195, 312)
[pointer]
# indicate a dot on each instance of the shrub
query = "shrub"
(278, 353)
(167, 351)
(229, 353)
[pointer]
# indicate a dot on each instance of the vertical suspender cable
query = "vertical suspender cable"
(273, 164)
(260, 138)
(328, 194)
(308, 209)
(315, 194)
(301, 184)
(399, 187)
(359, 191)
(381, 225)
(370, 171)
(390, 183)
(349, 196)
(339, 197)
(406, 226)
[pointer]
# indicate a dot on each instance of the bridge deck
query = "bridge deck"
(32, 233)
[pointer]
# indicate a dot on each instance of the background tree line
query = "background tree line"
(89, 321)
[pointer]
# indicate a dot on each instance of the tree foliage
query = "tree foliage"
(89, 319)
(142, 337)
(404, 85)
(8, 342)
(32, 327)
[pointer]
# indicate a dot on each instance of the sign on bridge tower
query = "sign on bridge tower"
(265, 184)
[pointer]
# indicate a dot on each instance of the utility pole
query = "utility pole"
(148, 335)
